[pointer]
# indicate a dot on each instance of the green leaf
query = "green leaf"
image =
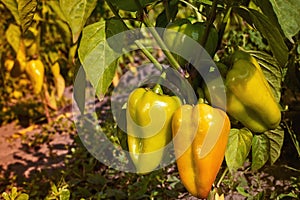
(130, 5)
(238, 147)
(64, 30)
(79, 89)
(273, 36)
(97, 58)
(54, 5)
(13, 35)
(12, 6)
(114, 26)
(23, 196)
(268, 31)
(26, 9)
(288, 16)
(53, 188)
(5, 196)
(162, 19)
(242, 191)
(271, 70)
(276, 138)
(14, 192)
(260, 151)
(76, 13)
(64, 194)
(267, 10)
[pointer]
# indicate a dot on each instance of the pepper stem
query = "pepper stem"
(157, 89)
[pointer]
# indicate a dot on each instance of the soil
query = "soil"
(23, 152)
(17, 158)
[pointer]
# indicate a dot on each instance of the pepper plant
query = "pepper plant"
(254, 78)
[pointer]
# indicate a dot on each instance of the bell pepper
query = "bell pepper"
(200, 135)
(148, 117)
(250, 99)
(35, 71)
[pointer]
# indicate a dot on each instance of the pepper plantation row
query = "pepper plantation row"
(232, 124)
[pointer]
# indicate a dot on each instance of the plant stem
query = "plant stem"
(223, 25)
(209, 22)
(166, 5)
(149, 55)
(160, 42)
(222, 177)
(137, 42)
(164, 48)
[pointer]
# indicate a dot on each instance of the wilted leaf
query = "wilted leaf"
(76, 13)
(288, 16)
(13, 35)
(12, 6)
(97, 58)
(276, 138)
(60, 85)
(238, 147)
(50, 99)
(260, 151)
(26, 9)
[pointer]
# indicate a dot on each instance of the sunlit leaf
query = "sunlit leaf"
(26, 10)
(5, 196)
(14, 192)
(13, 35)
(238, 147)
(12, 6)
(260, 151)
(54, 5)
(23, 196)
(97, 58)
(64, 194)
(76, 13)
